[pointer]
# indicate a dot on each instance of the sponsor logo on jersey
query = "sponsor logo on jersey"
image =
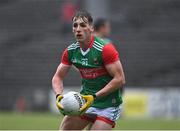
(74, 60)
(90, 73)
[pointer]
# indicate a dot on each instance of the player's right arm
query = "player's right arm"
(62, 70)
(57, 80)
(57, 84)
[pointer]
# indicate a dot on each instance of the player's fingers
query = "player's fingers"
(83, 107)
(58, 102)
(59, 98)
(86, 105)
(87, 97)
(84, 96)
(59, 106)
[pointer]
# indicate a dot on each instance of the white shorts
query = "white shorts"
(109, 115)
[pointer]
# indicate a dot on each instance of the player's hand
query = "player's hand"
(89, 101)
(58, 104)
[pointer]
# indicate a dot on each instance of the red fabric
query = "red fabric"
(106, 120)
(91, 73)
(101, 118)
(109, 54)
(91, 42)
(64, 58)
(87, 118)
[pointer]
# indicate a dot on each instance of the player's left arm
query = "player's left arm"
(114, 68)
(116, 71)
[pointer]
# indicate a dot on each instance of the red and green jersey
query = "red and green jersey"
(91, 64)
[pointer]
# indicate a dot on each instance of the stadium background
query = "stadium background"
(34, 33)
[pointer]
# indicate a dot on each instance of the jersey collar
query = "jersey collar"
(88, 49)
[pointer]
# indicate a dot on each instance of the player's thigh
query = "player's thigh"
(101, 125)
(73, 123)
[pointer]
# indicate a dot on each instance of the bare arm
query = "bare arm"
(57, 80)
(116, 71)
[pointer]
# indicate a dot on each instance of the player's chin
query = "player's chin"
(79, 39)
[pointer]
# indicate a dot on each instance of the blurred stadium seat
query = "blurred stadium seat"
(146, 34)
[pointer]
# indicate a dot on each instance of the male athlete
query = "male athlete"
(102, 77)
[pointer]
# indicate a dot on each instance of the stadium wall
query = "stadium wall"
(140, 103)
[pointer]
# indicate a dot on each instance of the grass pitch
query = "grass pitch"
(48, 121)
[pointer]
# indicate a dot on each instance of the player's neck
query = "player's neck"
(85, 45)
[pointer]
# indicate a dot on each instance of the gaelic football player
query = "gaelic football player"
(102, 77)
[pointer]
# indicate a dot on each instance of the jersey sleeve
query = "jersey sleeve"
(64, 58)
(109, 54)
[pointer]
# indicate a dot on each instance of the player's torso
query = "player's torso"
(92, 69)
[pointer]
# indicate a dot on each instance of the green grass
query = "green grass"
(29, 121)
(48, 121)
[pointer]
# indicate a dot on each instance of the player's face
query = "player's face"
(82, 29)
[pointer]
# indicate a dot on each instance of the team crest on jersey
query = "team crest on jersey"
(96, 61)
